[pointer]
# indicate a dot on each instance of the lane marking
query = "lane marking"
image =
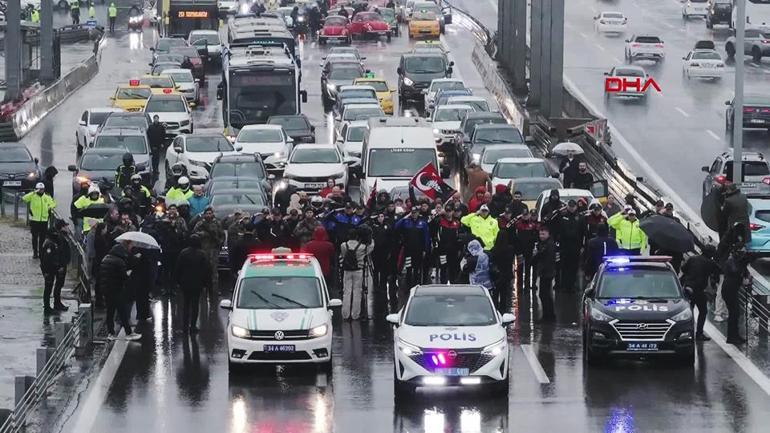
(534, 364)
(600, 47)
(98, 393)
(682, 112)
(617, 60)
(743, 362)
(713, 135)
(585, 36)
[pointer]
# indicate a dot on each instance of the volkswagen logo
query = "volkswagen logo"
(279, 335)
(641, 326)
(452, 354)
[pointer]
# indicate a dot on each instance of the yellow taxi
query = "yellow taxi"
(424, 23)
(385, 93)
(132, 96)
(158, 83)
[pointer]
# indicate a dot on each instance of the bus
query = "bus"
(187, 15)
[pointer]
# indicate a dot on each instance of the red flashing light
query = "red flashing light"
(748, 110)
(766, 181)
(133, 83)
(272, 257)
(721, 179)
(765, 110)
(755, 227)
(167, 91)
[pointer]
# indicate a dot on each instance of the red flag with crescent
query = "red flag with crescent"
(429, 182)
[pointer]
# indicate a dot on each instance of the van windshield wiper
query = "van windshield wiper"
(290, 300)
(277, 307)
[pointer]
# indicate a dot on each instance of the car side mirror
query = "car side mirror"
(628, 40)
(507, 319)
(150, 64)
(226, 304)
(684, 58)
(705, 169)
(72, 168)
(392, 319)
(606, 74)
(399, 71)
(82, 123)
(334, 303)
(312, 128)
(37, 161)
(238, 148)
(303, 95)
(688, 293)
(152, 49)
(197, 80)
(555, 175)
(178, 149)
(727, 102)
(363, 58)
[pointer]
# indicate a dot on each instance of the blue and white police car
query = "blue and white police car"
(280, 312)
(449, 335)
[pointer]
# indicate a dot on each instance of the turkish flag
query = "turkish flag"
(429, 182)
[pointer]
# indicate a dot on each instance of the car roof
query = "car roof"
(356, 87)
(261, 126)
(241, 191)
(168, 96)
(504, 146)
(484, 126)
(175, 71)
(123, 130)
(555, 182)
(760, 203)
(366, 105)
(450, 289)
(425, 53)
(572, 192)
(446, 80)
(521, 160)
(12, 144)
(453, 107)
(105, 110)
(463, 97)
(484, 115)
(238, 158)
(611, 12)
(630, 67)
(315, 146)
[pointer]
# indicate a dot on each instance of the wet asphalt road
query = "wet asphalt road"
(174, 383)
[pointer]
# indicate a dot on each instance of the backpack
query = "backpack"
(350, 260)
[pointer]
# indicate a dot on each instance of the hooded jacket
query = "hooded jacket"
(477, 265)
(553, 204)
(305, 229)
(322, 249)
(114, 269)
(500, 199)
(475, 202)
(735, 209)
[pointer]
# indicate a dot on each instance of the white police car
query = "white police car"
(449, 335)
(280, 312)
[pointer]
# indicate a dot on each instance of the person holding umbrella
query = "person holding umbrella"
(630, 237)
(667, 237)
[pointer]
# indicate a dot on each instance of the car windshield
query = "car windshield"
(125, 121)
(135, 144)
(259, 135)
(638, 283)
(425, 65)
(279, 293)
(206, 38)
(164, 45)
(492, 155)
(14, 154)
(519, 169)
(97, 118)
(367, 16)
(237, 198)
(362, 113)
(170, 58)
(424, 15)
(292, 123)
(399, 162)
(213, 143)
(336, 21)
(450, 114)
(477, 104)
(498, 135)
(648, 40)
(166, 105)
(450, 310)
(387, 13)
(221, 185)
(315, 156)
(446, 85)
(345, 73)
(235, 169)
(379, 86)
(471, 123)
(356, 133)
(532, 190)
(182, 77)
(133, 93)
(157, 82)
(358, 93)
(707, 56)
(629, 73)
(101, 162)
(750, 168)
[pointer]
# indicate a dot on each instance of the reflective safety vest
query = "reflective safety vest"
(92, 12)
(75, 4)
(628, 234)
(112, 11)
(84, 202)
(40, 206)
(177, 194)
(35, 16)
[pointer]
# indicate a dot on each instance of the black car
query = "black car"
(719, 12)
(198, 62)
(96, 165)
(756, 112)
(635, 307)
(244, 165)
(18, 169)
(489, 134)
(120, 120)
(164, 45)
(417, 70)
(463, 139)
(297, 126)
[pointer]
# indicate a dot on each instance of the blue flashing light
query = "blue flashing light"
(617, 260)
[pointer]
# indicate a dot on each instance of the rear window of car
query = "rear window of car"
(628, 73)
(763, 215)
(706, 56)
(648, 39)
(750, 168)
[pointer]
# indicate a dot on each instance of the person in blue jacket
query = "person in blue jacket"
(413, 234)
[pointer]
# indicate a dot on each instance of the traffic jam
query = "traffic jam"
(300, 170)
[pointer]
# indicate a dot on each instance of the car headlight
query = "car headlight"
(495, 348)
(300, 19)
(408, 81)
(436, 131)
(337, 175)
(289, 176)
(319, 331)
(683, 316)
(279, 154)
(31, 175)
(184, 123)
(408, 349)
(600, 316)
(197, 163)
(240, 332)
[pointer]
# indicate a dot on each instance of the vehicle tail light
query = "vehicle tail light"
(133, 83)
(755, 227)
(659, 45)
(721, 179)
(166, 91)
(765, 110)
(748, 110)
(765, 41)
(766, 181)
(635, 45)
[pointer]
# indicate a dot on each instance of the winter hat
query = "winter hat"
(474, 247)
(500, 188)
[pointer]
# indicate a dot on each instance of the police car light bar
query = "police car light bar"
(268, 257)
(133, 83)
(624, 260)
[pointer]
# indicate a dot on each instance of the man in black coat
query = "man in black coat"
(736, 276)
(192, 273)
(735, 209)
(54, 258)
(244, 246)
(544, 259)
(156, 134)
(597, 248)
(697, 271)
(571, 238)
(583, 179)
(114, 272)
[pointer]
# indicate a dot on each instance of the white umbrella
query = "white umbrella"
(567, 147)
(141, 240)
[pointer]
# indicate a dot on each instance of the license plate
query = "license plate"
(757, 121)
(315, 185)
(279, 348)
(642, 347)
(452, 371)
(12, 183)
(425, 31)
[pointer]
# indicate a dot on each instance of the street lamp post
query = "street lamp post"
(740, 30)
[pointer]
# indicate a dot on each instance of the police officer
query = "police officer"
(140, 195)
(414, 235)
(75, 11)
(40, 206)
(91, 11)
(544, 258)
(181, 192)
(54, 258)
(94, 197)
(34, 16)
(125, 171)
(112, 13)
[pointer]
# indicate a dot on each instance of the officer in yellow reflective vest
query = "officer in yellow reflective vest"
(35, 16)
(94, 197)
(91, 12)
(40, 206)
(112, 13)
(75, 11)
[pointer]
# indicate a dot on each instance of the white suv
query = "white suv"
(173, 111)
(310, 165)
(88, 125)
(197, 153)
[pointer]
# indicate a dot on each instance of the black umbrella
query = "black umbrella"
(710, 209)
(667, 234)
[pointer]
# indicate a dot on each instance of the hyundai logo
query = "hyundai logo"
(279, 335)
(452, 354)
(641, 326)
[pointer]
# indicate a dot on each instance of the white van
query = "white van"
(757, 14)
(394, 150)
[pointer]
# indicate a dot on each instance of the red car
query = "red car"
(335, 27)
(369, 24)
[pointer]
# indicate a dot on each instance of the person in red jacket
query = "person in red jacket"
(527, 234)
(323, 250)
(477, 200)
(330, 183)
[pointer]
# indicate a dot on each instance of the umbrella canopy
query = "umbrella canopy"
(667, 233)
(710, 209)
(566, 148)
(141, 240)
